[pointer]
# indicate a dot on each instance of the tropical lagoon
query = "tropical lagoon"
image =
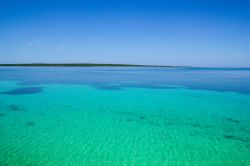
(75, 116)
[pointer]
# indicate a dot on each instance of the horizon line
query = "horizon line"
(105, 64)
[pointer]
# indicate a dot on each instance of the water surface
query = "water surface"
(124, 116)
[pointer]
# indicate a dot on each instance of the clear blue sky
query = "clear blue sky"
(176, 32)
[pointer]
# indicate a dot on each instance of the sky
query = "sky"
(213, 33)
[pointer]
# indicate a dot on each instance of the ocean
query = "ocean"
(124, 116)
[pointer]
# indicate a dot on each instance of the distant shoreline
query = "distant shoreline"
(79, 65)
(112, 65)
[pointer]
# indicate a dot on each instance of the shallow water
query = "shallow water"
(124, 116)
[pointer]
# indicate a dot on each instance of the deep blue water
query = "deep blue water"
(116, 78)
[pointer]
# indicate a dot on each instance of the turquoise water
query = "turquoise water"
(124, 116)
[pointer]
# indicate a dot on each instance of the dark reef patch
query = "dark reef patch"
(208, 126)
(152, 123)
(242, 139)
(2, 114)
(233, 120)
(233, 137)
(14, 107)
(129, 120)
(245, 130)
(196, 125)
(141, 117)
(138, 118)
(24, 91)
(29, 124)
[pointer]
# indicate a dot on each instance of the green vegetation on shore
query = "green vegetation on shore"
(80, 65)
